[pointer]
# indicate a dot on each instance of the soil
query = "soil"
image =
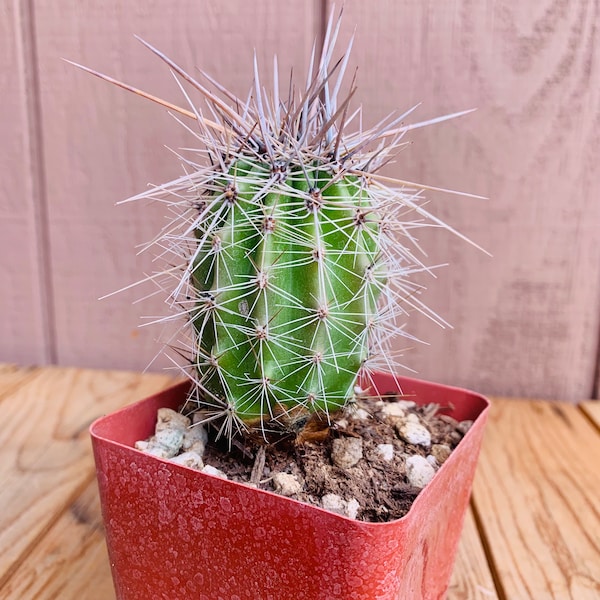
(379, 481)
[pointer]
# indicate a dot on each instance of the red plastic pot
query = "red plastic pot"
(174, 533)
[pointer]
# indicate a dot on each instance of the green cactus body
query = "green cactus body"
(293, 256)
(286, 288)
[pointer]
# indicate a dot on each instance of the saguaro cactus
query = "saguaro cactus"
(294, 256)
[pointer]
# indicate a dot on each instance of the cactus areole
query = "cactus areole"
(288, 253)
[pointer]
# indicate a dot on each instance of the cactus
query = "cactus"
(294, 255)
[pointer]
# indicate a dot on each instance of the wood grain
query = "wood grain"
(471, 577)
(527, 321)
(102, 144)
(45, 455)
(537, 494)
(591, 408)
(70, 561)
(24, 336)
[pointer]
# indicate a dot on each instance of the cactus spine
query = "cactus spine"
(291, 256)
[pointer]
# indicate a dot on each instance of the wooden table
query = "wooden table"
(533, 530)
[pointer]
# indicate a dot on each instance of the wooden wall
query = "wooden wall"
(526, 322)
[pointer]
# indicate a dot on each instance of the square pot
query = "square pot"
(174, 533)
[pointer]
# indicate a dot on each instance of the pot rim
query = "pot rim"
(180, 387)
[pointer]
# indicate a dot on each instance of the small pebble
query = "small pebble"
(393, 409)
(407, 404)
(171, 439)
(386, 451)
(360, 414)
(153, 449)
(414, 433)
(441, 452)
(171, 419)
(418, 471)
(464, 426)
(286, 484)
(189, 459)
(412, 418)
(336, 504)
(210, 470)
(432, 461)
(195, 438)
(346, 452)
(352, 508)
(449, 420)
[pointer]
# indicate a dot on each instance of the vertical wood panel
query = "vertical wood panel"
(23, 336)
(102, 144)
(526, 321)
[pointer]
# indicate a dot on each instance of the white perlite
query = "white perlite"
(210, 470)
(170, 429)
(418, 471)
(386, 451)
(441, 452)
(195, 439)
(393, 409)
(346, 452)
(414, 433)
(464, 426)
(360, 414)
(336, 504)
(432, 461)
(171, 419)
(189, 459)
(286, 484)
(352, 508)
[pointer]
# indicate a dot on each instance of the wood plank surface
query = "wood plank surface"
(537, 497)
(527, 321)
(70, 562)
(102, 144)
(45, 454)
(592, 409)
(23, 298)
(471, 577)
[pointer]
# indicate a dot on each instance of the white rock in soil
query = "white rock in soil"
(210, 470)
(360, 414)
(414, 433)
(432, 461)
(195, 439)
(412, 418)
(418, 471)
(152, 448)
(342, 424)
(346, 452)
(441, 452)
(352, 508)
(189, 459)
(286, 484)
(407, 404)
(464, 426)
(334, 503)
(393, 409)
(386, 451)
(171, 439)
(171, 419)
